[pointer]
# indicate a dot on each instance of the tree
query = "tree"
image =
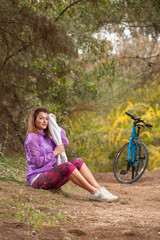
(40, 61)
(24, 36)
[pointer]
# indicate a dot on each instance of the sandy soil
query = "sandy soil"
(136, 214)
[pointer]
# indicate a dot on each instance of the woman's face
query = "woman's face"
(41, 121)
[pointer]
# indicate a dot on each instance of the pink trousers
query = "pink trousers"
(58, 175)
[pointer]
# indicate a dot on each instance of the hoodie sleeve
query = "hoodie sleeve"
(36, 154)
(64, 137)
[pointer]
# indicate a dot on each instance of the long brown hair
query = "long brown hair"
(32, 119)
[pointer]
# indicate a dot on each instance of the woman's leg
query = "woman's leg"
(102, 194)
(77, 178)
(61, 174)
(55, 177)
(86, 173)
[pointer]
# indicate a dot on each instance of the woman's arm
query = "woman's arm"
(37, 156)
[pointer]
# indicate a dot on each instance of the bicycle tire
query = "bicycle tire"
(124, 171)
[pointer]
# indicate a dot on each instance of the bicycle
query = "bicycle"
(132, 159)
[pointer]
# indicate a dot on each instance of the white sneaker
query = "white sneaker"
(101, 196)
(110, 195)
(98, 196)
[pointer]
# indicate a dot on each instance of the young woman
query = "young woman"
(43, 171)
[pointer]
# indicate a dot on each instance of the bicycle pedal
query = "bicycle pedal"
(123, 172)
(143, 157)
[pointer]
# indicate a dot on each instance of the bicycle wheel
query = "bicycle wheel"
(130, 171)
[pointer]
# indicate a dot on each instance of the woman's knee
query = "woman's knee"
(68, 168)
(77, 162)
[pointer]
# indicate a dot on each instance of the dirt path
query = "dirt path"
(136, 215)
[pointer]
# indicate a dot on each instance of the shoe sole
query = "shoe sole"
(97, 200)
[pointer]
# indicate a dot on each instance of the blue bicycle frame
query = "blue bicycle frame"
(132, 147)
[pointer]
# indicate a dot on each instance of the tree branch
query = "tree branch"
(69, 6)
(16, 22)
(12, 55)
(23, 48)
(143, 58)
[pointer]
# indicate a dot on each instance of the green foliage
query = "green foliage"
(50, 56)
(98, 139)
(88, 139)
(40, 65)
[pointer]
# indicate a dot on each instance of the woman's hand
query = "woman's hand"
(59, 149)
(54, 116)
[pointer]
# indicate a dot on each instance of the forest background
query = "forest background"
(57, 54)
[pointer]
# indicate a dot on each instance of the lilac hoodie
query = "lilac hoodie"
(39, 152)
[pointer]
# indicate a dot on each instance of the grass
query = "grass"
(19, 206)
(20, 203)
(20, 211)
(12, 169)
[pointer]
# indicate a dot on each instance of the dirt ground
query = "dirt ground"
(135, 216)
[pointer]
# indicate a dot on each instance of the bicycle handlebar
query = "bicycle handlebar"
(148, 125)
(134, 118)
(139, 120)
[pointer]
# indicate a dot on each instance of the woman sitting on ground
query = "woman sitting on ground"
(43, 171)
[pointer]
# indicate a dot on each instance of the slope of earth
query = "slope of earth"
(27, 214)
